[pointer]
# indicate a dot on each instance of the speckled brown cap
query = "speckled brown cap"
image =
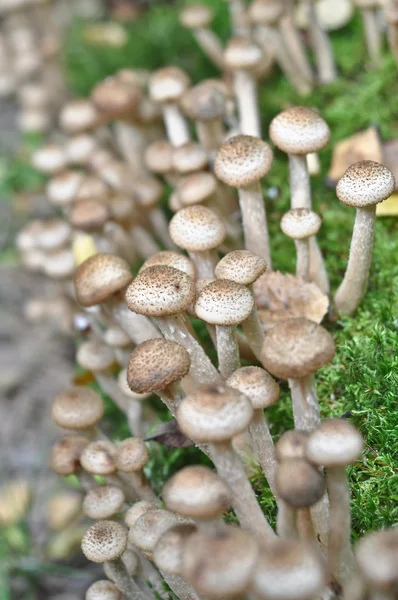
(103, 501)
(95, 356)
(148, 529)
(298, 483)
(65, 454)
(155, 364)
(243, 160)
(242, 54)
(258, 385)
(77, 408)
(265, 12)
(132, 455)
(189, 157)
(196, 188)
(169, 550)
(364, 184)
(196, 16)
(78, 115)
(99, 277)
(104, 541)
(88, 215)
(224, 302)
(214, 413)
(159, 157)
(147, 192)
(169, 258)
(300, 223)
(241, 266)
(334, 443)
(197, 228)
(204, 102)
(115, 98)
(296, 348)
(99, 458)
(103, 590)
(299, 130)
(292, 444)
(168, 84)
(160, 291)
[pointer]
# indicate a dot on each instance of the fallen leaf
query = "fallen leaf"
(365, 145)
(390, 152)
(388, 208)
(169, 434)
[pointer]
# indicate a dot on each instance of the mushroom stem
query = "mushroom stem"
(245, 90)
(131, 143)
(294, 44)
(286, 521)
(137, 327)
(372, 35)
(238, 17)
(305, 403)
(142, 487)
(264, 446)
(160, 226)
(227, 350)
(254, 333)
(322, 48)
(210, 134)
(180, 587)
(305, 527)
(254, 219)
(143, 242)
(320, 520)
(392, 36)
(205, 262)
(303, 258)
(353, 287)
(211, 46)
(131, 407)
(130, 590)
(176, 126)
(245, 503)
(172, 397)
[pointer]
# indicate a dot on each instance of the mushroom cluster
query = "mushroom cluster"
(130, 281)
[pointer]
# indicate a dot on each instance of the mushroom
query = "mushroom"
(148, 192)
(136, 511)
(319, 40)
(373, 34)
(189, 158)
(197, 18)
(301, 224)
(103, 590)
(376, 556)
(299, 131)
(99, 458)
(215, 414)
(62, 188)
(171, 259)
(78, 409)
(80, 148)
(363, 185)
(49, 159)
(65, 459)
(158, 158)
(169, 550)
(103, 502)
(335, 444)
(241, 162)
(132, 456)
(78, 116)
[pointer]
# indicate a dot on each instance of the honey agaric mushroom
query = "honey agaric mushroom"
(49, 159)
(103, 501)
(376, 556)
(169, 258)
(132, 456)
(363, 185)
(99, 458)
(169, 550)
(80, 148)
(197, 18)
(78, 408)
(65, 454)
(300, 224)
(241, 162)
(136, 511)
(78, 116)
(189, 158)
(103, 590)
(62, 188)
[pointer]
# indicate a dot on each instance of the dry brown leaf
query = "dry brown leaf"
(169, 434)
(390, 152)
(388, 208)
(365, 145)
(280, 297)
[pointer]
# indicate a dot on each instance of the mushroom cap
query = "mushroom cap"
(365, 183)
(100, 158)
(49, 159)
(159, 157)
(99, 277)
(214, 413)
(88, 215)
(92, 187)
(136, 511)
(77, 408)
(99, 458)
(132, 455)
(80, 148)
(296, 348)
(78, 115)
(197, 228)
(241, 266)
(62, 188)
(196, 16)
(258, 385)
(169, 258)
(53, 234)
(299, 130)
(292, 444)
(103, 501)
(116, 174)
(196, 188)
(242, 54)
(147, 530)
(224, 302)
(156, 364)
(204, 102)
(160, 291)
(169, 550)
(116, 337)
(197, 492)
(265, 12)
(335, 443)
(300, 223)
(124, 386)
(147, 192)
(104, 541)
(288, 569)
(168, 84)
(115, 98)
(65, 454)
(243, 160)
(95, 356)
(103, 590)
(189, 157)
(59, 264)
(298, 483)
(220, 565)
(377, 558)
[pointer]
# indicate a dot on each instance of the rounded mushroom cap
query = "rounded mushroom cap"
(116, 337)
(334, 443)
(197, 492)
(59, 264)
(300, 223)
(224, 302)
(99, 458)
(62, 189)
(296, 348)
(49, 159)
(94, 356)
(288, 569)
(299, 130)
(92, 188)
(159, 157)
(77, 408)
(365, 183)
(103, 590)
(220, 565)
(196, 16)
(197, 228)
(265, 12)
(214, 413)
(147, 192)
(115, 98)
(136, 511)
(80, 148)
(241, 266)
(53, 234)
(243, 160)
(204, 102)
(169, 550)
(103, 501)
(99, 277)
(104, 541)
(196, 188)
(377, 558)
(65, 454)
(132, 455)
(242, 54)
(147, 530)
(258, 385)
(88, 215)
(168, 84)
(160, 291)
(116, 174)
(124, 386)
(169, 258)
(78, 115)
(189, 157)
(298, 483)
(292, 444)
(156, 364)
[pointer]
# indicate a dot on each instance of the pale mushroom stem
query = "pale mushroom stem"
(305, 527)
(144, 243)
(205, 263)
(176, 126)
(131, 407)
(372, 35)
(264, 445)
(239, 18)
(210, 134)
(322, 47)
(355, 282)
(142, 487)
(131, 143)
(227, 350)
(294, 44)
(244, 503)
(254, 333)
(172, 396)
(160, 226)
(138, 327)
(124, 582)
(392, 36)
(254, 220)
(245, 90)
(211, 46)
(121, 240)
(286, 521)
(305, 403)
(303, 258)
(180, 587)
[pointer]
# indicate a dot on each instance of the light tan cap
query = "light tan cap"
(99, 277)
(196, 188)
(103, 590)
(242, 54)
(103, 501)
(334, 443)
(377, 558)
(115, 98)
(95, 356)
(132, 455)
(65, 454)
(159, 157)
(116, 174)
(53, 234)
(77, 408)
(78, 116)
(88, 215)
(148, 529)
(298, 483)
(197, 228)
(243, 160)
(49, 159)
(299, 130)
(204, 102)
(265, 12)
(92, 187)
(296, 348)
(300, 223)
(189, 157)
(116, 337)
(224, 302)
(136, 511)
(99, 458)
(147, 192)
(80, 148)
(104, 541)
(241, 266)
(258, 385)
(364, 184)
(169, 258)
(292, 444)
(60, 264)
(168, 84)
(169, 550)
(62, 189)
(196, 16)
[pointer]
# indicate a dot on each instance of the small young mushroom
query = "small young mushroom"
(132, 456)
(169, 258)
(49, 159)
(197, 18)
(103, 590)
(80, 149)
(65, 454)
(376, 556)
(363, 185)
(62, 188)
(78, 408)
(99, 458)
(300, 224)
(103, 502)
(158, 158)
(335, 444)
(292, 444)
(189, 158)
(136, 511)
